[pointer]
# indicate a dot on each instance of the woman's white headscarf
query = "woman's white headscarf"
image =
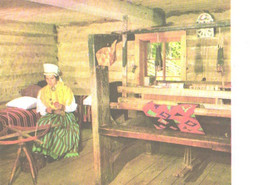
(51, 69)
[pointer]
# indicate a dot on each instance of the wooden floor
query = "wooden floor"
(145, 169)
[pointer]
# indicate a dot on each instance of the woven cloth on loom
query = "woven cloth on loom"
(183, 116)
(18, 117)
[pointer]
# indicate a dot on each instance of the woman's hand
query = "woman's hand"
(49, 110)
(59, 106)
(60, 112)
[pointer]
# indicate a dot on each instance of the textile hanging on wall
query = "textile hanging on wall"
(220, 63)
(183, 116)
(158, 58)
(220, 59)
(107, 56)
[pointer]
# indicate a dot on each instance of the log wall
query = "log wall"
(202, 56)
(202, 52)
(24, 47)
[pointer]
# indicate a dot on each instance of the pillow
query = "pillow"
(87, 101)
(31, 91)
(24, 102)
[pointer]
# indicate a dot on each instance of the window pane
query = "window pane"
(173, 62)
(150, 68)
(151, 50)
(173, 68)
(173, 50)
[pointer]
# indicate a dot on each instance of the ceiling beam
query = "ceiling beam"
(111, 9)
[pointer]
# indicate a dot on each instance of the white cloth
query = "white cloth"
(51, 69)
(41, 108)
(87, 101)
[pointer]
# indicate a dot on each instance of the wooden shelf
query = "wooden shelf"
(168, 136)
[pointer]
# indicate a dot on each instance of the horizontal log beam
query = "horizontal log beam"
(112, 9)
(178, 28)
(173, 103)
(176, 92)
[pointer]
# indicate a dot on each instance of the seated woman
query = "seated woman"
(56, 104)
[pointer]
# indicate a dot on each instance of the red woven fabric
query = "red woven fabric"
(183, 116)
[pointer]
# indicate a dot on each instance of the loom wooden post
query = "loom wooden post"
(100, 114)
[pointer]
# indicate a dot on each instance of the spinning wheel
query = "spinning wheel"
(23, 136)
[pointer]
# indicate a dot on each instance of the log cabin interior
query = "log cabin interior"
(159, 77)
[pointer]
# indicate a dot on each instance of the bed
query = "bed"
(18, 117)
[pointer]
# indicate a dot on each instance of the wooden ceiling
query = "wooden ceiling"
(62, 12)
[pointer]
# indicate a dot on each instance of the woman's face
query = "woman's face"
(51, 80)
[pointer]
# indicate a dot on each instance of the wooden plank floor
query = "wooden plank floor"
(161, 168)
(145, 169)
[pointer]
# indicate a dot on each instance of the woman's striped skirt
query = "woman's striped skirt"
(62, 140)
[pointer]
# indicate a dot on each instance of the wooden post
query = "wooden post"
(152, 147)
(106, 151)
(124, 54)
(100, 112)
(124, 59)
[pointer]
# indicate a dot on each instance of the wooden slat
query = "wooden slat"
(167, 177)
(203, 141)
(142, 161)
(169, 102)
(181, 27)
(176, 92)
(179, 99)
(221, 170)
(154, 170)
(198, 111)
(19, 28)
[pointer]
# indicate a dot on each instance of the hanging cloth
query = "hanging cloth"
(106, 56)
(158, 58)
(220, 59)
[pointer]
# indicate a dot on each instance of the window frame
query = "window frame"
(141, 41)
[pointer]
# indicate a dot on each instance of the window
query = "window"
(162, 55)
(167, 68)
